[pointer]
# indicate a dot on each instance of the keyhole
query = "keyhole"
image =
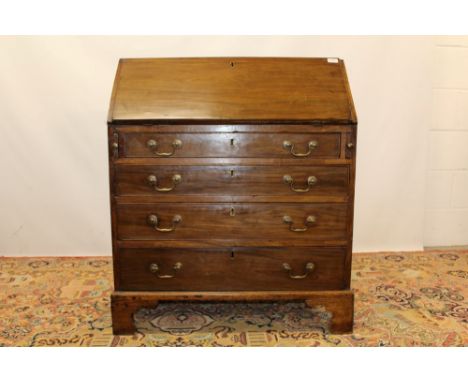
(232, 212)
(232, 141)
(232, 255)
(232, 173)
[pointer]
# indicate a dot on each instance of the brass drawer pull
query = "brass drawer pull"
(288, 145)
(153, 181)
(153, 144)
(309, 221)
(154, 268)
(308, 268)
(153, 221)
(311, 180)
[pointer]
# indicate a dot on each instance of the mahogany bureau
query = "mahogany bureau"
(232, 179)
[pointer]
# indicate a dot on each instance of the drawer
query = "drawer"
(285, 222)
(231, 180)
(229, 145)
(233, 269)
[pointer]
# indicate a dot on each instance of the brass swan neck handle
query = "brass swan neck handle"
(153, 144)
(153, 182)
(310, 220)
(311, 180)
(312, 145)
(153, 221)
(309, 267)
(154, 268)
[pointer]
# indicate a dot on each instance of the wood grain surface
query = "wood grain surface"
(233, 221)
(232, 269)
(236, 89)
(232, 180)
(229, 145)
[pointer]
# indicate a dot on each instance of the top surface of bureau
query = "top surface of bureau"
(234, 89)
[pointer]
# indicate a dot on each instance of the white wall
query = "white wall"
(446, 212)
(54, 96)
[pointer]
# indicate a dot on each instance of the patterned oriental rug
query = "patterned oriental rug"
(402, 299)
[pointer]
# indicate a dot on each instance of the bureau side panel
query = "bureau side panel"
(350, 153)
(113, 152)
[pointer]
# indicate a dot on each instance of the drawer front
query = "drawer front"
(231, 180)
(284, 222)
(234, 269)
(229, 145)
